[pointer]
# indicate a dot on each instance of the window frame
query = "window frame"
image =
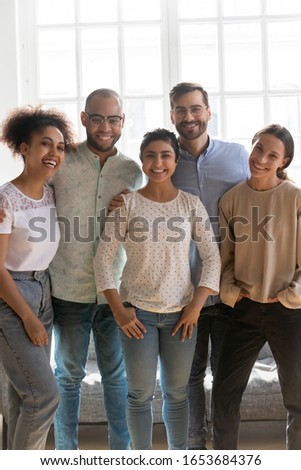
(171, 67)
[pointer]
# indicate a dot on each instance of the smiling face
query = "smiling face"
(103, 137)
(266, 157)
(158, 161)
(192, 123)
(45, 152)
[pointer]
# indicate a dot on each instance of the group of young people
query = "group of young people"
(170, 261)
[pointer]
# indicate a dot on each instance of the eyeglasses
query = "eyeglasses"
(97, 119)
(194, 110)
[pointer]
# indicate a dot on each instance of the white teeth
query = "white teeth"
(258, 167)
(158, 171)
(52, 163)
(102, 137)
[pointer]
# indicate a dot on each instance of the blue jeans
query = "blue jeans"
(252, 325)
(73, 323)
(212, 326)
(141, 358)
(32, 391)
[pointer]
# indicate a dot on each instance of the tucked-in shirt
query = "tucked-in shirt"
(83, 192)
(32, 227)
(156, 237)
(261, 244)
(221, 166)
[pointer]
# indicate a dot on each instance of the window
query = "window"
(246, 54)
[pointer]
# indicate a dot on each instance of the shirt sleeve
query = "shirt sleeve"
(7, 224)
(245, 163)
(113, 235)
(204, 238)
(291, 296)
(139, 179)
(229, 291)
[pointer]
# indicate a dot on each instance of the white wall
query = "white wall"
(8, 57)
(9, 93)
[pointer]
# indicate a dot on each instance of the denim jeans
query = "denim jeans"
(212, 326)
(253, 324)
(175, 359)
(73, 323)
(32, 391)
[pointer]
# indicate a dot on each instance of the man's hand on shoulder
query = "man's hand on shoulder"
(117, 200)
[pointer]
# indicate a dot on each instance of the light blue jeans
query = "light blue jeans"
(32, 391)
(73, 323)
(175, 359)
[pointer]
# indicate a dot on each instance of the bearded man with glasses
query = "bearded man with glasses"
(84, 187)
(207, 168)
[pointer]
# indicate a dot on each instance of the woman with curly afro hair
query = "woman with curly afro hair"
(29, 237)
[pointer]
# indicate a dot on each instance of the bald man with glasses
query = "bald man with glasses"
(84, 187)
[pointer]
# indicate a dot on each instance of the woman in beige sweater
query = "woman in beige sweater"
(261, 279)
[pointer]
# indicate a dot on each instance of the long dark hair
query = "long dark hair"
(285, 136)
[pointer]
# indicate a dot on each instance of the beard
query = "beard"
(102, 147)
(191, 133)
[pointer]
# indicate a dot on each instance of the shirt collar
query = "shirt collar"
(187, 156)
(92, 155)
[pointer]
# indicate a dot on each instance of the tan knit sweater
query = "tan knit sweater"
(261, 244)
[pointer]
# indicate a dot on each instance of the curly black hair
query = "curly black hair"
(22, 122)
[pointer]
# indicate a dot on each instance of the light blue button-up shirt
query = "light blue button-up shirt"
(83, 191)
(217, 169)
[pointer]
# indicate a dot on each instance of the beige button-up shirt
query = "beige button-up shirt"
(83, 192)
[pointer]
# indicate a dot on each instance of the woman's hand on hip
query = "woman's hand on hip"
(35, 330)
(187, 322)
(129, 323)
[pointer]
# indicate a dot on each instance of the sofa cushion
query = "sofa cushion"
(262, 399)
(92, 404)
(92, 408)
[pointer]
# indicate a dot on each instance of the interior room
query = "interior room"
(245, 54)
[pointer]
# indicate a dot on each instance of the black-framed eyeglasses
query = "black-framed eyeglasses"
(194, 110)
(97, 119)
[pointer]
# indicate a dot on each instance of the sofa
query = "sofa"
(262, 400)
(92, 406)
